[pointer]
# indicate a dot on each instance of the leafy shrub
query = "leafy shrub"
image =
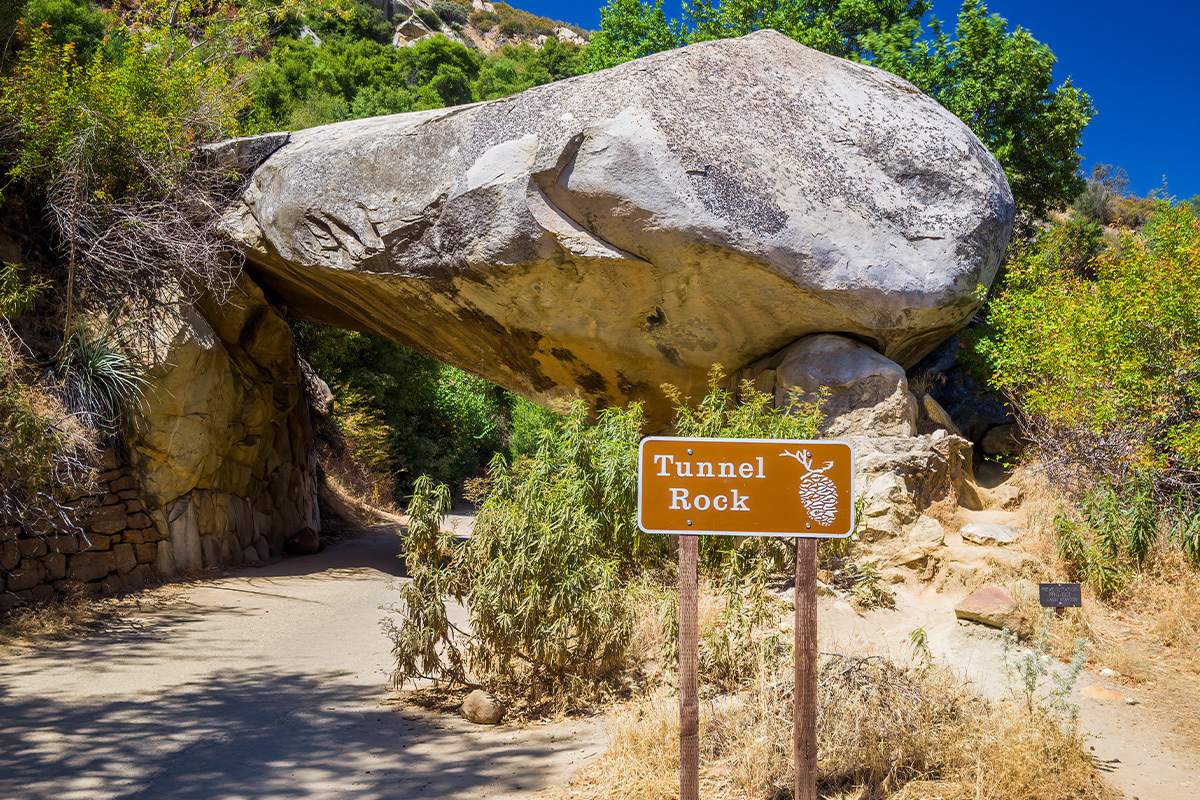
(513, 27)
(528, 424)
(41, 446)
(450, 12)
(101, 379)
(525, 23)
(1108, 366)
(109, 145)
(484, 20)
(437, 420)
(430, 19)
(1105, 374)
(555, 548)
(76, 22)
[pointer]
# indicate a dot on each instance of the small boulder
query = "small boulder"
(1001, 439)
(304, 543)
(1007, 496)
(482, 708)
(993, 606)
(938, 416)
(990, 534)
(927, 532)
(867, 393)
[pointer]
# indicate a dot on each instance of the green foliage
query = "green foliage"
(1107, 199)
(837, 27)
(426, 643)
(869, 590)
(449, 11)
(101, 379)
(1031, 668)
(70, 22)
(1118, 530)
(1111, 364)
(630, 29)
(349, 78)
(522, 22)
(123, 125)
(17, 297)
(39, 448)
(918, 641)
(999, 82)
(430, 19)
(1104, 367)
(1105, 183)
(746, 633)
(549, 553)
(528, 424)
(30, 441)
(436, 420)
(344, 19)
(484, 20)
(546, 574)
(543, 572)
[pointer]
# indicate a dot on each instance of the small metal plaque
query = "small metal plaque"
(1060, 595)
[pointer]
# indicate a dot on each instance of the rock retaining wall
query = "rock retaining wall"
(220, 471)
(112, 550)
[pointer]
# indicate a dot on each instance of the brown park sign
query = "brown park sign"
(755, 487)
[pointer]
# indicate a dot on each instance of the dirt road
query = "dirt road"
(267, 683)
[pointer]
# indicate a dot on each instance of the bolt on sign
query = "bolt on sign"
(746, 487)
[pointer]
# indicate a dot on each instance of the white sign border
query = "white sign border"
(775, 535)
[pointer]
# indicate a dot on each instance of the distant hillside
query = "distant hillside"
(481, 26)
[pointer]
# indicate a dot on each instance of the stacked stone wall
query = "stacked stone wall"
(221, 469)
(112, 548)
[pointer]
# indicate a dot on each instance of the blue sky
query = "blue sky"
(1139, 63)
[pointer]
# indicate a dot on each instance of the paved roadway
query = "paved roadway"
(267, 683)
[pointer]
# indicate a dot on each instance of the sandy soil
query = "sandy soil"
(1139, 748)
(268, 683)
(273, 683)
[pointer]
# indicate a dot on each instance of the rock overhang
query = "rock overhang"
(603, 235)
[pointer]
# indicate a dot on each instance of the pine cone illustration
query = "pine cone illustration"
(818, 494)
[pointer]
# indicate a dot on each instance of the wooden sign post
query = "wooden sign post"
(748, 487)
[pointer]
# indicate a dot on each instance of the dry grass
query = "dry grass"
(32, 624)
(1155, 618)
(79, 614)
(884, 732)
(1163, 603)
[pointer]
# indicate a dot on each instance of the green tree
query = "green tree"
(999, 82)
(76, 22)
(1106, 369)
(630, 29)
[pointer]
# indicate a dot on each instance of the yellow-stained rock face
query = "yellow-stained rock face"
(222, 442)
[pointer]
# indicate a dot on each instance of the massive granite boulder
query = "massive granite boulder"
(599, 236)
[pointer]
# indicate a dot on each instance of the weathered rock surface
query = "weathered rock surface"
(482, 708)
(866, 393)
(223, 444)
(988, 534)
(994, 606)
(938, 416)
(599, 236)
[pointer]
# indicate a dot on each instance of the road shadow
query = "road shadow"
(249, 735)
